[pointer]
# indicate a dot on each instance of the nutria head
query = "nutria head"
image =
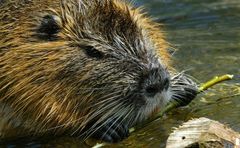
(82, 65)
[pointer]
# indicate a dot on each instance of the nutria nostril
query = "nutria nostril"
(166, 83)
(153, 89)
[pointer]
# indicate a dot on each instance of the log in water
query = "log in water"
(203, 132)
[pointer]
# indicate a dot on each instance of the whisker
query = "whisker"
(106, 116)
(104, 101)
(124, 115)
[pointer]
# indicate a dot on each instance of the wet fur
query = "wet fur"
(49, 83)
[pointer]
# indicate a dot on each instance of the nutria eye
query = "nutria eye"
(48, 27)
(92, 52)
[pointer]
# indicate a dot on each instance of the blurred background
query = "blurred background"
(206, 33)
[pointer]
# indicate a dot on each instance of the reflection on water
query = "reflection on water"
(207, 36)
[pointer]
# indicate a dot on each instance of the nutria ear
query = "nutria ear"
(48, 26)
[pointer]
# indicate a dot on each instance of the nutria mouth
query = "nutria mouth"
(79, 67)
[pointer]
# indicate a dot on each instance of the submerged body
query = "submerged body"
(84, 68)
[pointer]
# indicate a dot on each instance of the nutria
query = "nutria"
(82, 68)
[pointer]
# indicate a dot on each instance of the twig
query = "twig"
(214, 81)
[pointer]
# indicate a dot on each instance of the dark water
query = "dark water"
(207, 36)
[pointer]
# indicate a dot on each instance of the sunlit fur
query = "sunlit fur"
(52, 86)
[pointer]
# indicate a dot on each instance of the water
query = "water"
(207, 36)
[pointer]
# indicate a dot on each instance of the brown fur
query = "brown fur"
(40, 80)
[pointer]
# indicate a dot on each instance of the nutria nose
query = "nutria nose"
(155, 83)
(153, 89)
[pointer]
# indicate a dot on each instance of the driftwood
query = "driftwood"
(203, 133)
